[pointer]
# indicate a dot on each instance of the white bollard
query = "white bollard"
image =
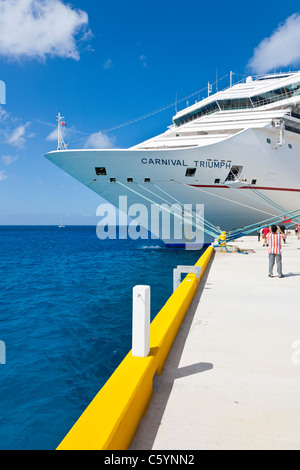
(141, 321)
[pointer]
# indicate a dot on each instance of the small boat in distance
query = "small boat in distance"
(61, 224)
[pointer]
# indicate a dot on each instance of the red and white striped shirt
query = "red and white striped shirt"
(274, 242)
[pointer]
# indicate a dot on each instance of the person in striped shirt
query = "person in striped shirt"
(274, 242)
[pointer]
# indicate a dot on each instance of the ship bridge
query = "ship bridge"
(252, 104)
(258, 93)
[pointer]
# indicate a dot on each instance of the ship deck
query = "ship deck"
(232, 378)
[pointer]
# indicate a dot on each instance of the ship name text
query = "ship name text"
(196, 163)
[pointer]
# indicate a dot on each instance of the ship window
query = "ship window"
(129, 180)
(234, 173)
(112, 180)
(294, 128)
(217, 181)
(269, 141)
(253, 181)
(290, 146)
(240, 103)
(207, 109)
(190, 171)
(147, 180)
(100, 170)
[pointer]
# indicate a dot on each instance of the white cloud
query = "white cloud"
(143, 60)
(13, 132)
(281, 49)
(53, 135)
(108, 64)
(40, 28)
(99, 141)
(3, 175)
(18, 136)
(3, 114)
(65, 132)
(8, 159)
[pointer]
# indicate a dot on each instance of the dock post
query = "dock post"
(184, 270)
(141, 321)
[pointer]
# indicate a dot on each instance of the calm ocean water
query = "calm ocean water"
(65, 318)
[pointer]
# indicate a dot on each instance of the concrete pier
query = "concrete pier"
(232, 378)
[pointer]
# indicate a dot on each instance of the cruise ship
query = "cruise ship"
(236, 152)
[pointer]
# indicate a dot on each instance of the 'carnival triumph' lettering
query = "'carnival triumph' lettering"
(196, 163)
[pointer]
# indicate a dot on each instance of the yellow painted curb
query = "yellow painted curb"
(112, 418)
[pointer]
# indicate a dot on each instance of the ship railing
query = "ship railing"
(274, 99)
(252, 103)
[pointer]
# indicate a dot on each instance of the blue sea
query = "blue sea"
(65, 320)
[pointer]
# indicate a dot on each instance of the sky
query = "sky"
(106, 66)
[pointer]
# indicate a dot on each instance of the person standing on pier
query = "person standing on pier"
(265, 232)
(274, 242)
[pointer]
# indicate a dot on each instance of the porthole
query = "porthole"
(217, 181)
(253, 182)
(100, 170)
(290, 146)
(112, 180)
(190, 171)
(147, 180)
(269, 141)
(129, 180)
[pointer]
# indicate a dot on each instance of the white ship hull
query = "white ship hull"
(276, 174)
(268, 160)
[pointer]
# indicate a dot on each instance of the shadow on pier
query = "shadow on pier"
(162, 385)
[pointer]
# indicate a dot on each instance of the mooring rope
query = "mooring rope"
(199, 227)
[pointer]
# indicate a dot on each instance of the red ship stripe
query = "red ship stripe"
(244, 187)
